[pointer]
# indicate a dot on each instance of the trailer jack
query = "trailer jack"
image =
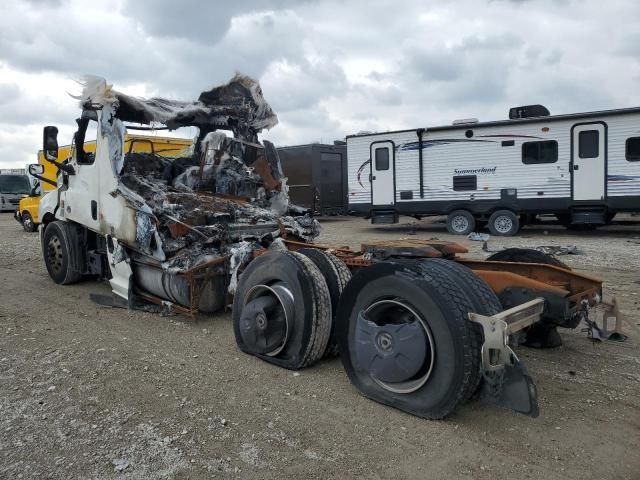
(506, 380)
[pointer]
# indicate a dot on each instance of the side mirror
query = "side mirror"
(50, 143)
(36, 169)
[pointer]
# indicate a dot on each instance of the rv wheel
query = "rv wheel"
(460, 222)
(337, 275)
(405, 340)
(504, 223)
(282, 310)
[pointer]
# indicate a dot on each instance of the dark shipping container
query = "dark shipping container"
(317, 176)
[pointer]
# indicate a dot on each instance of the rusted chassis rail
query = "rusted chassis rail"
(565, 292)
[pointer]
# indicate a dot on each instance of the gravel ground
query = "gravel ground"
(93, 392)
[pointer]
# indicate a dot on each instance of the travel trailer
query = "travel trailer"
(582, 167)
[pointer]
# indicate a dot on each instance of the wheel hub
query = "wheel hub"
(265, 318)
(261, 321)
(384, 342)
(54, 254)
(394, 344)
(460, 223)
(503, 224)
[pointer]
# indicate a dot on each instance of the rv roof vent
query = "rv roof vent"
(528, 111)
(364, 132)
(464, 121)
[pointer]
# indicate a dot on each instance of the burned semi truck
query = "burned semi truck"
(417, 326)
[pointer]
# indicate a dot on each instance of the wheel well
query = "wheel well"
(47, 219)
(515, 211)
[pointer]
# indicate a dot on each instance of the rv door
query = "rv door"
(382, 174)
(588, 162)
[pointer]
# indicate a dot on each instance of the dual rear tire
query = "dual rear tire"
(401, 328)
(283, 309)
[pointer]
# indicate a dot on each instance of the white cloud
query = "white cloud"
(329, 68)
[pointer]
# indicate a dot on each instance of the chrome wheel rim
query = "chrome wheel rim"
(284, 306)
(459, 223)
(54, 254)
(379, 313)
(503, 224)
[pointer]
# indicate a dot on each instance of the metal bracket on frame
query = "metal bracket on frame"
(496, 352)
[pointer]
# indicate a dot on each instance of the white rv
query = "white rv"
(582, 167)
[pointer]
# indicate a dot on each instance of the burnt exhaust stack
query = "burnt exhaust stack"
(528, 111)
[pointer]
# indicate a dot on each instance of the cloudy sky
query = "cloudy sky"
(328, 68)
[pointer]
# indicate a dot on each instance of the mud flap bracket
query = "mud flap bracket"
(506, 380)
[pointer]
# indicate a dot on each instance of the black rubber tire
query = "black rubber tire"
(443, 306)
(539, 335)
(471, 222)
(27, 223)
(495, 216)
(311, 325)
(337, 275)
(62, 252)
(527, 255)
(484, 301)
(565, 220)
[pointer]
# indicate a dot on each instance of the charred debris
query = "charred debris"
(217, 203)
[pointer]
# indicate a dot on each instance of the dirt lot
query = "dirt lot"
(93, 392)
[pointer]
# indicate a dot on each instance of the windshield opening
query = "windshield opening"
(14, 184)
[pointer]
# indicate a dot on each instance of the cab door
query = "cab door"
(588, 162)
(382, 174)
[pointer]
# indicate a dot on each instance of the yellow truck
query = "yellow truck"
(27, 211)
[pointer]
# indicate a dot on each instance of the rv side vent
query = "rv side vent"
(528, 111)
(465, 182)
(464, 121)
(406, 195)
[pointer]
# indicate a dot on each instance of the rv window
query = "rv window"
(588, 141)
(539, 152)
(382, 159)
(632, 149)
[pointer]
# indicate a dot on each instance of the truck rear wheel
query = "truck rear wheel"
(282, 310)
(460, 222)
(337, 275)
(405, 340)
(484, 301)
(61, 252)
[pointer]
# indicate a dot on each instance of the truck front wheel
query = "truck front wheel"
(58, 244)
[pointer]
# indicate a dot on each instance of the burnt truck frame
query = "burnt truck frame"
(417, 326)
